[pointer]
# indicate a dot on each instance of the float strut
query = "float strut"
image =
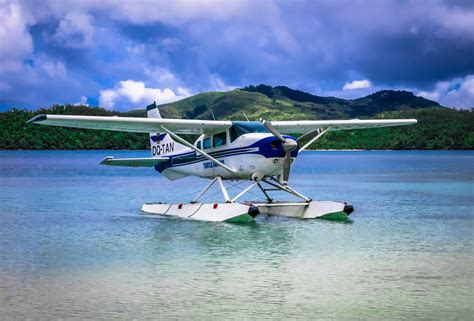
(204, 190)
(223, 189)
(287, 189)
(269, 199)
(243, 192)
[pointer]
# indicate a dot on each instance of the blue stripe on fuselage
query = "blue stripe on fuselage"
(264, 148)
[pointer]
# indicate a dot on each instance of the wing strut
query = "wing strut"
(184, 142)
(315, 138)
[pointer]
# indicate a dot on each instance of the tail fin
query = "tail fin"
(161, 143)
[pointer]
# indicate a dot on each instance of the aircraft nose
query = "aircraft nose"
(289, 145)
(275, 144)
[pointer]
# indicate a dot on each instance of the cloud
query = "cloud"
(171, 12)
(75, 30)
(457, 93)
(357, 84)
(82, 102)
(56, 51)
(161, 75)
(52, 68)
(130, 93)
(217, 84)
(15, 41)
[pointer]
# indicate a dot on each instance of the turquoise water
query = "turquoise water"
(73, 243)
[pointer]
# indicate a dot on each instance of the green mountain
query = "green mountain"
(438, 127)
(328, 107)
(285, 103)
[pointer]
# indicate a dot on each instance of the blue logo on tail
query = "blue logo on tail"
(158, 138)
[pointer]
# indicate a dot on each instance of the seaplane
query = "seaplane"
(260, 152)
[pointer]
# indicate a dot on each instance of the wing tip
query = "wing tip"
(37, 119)
(106, 160)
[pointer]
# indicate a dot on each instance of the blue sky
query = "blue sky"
(124, 54)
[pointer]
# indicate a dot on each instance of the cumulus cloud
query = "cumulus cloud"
(82, 102)
(132, 93)
(357, 84)
(75, 30)
(457, 93)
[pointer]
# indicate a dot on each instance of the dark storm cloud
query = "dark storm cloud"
(418, 60)
(124, 53)
(393, 42)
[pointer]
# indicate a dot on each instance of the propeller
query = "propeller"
(288, 146)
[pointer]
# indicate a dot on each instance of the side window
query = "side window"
(220, 139)
(206, 143)
(233, 134)
(198, 145)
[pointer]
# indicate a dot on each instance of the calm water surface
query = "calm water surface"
(73, 243)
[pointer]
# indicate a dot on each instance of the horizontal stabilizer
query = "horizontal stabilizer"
(133, 162)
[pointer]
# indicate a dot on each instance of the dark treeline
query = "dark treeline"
(437, 128)
(16, 134)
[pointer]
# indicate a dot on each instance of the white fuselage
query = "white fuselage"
(251, 156)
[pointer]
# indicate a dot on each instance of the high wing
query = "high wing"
(132, 124)
(133, 162)
(304, 126)
(187, 126)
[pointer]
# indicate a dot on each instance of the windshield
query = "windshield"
(240, 128)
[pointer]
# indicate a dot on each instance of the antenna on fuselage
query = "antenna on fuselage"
(245, 116)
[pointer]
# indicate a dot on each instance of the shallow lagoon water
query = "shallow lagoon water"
(73, 243)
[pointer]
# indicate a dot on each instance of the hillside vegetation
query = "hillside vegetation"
(15, 134)
(438, 127)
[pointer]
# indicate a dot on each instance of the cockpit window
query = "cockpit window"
(240, 128)
(206, 143)
(219, 139)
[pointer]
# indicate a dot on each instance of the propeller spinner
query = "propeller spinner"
(288, 146)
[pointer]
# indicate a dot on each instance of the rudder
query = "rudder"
(161, 144)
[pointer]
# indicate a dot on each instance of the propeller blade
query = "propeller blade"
(272, 129)
(288, 146)
(286, 168)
